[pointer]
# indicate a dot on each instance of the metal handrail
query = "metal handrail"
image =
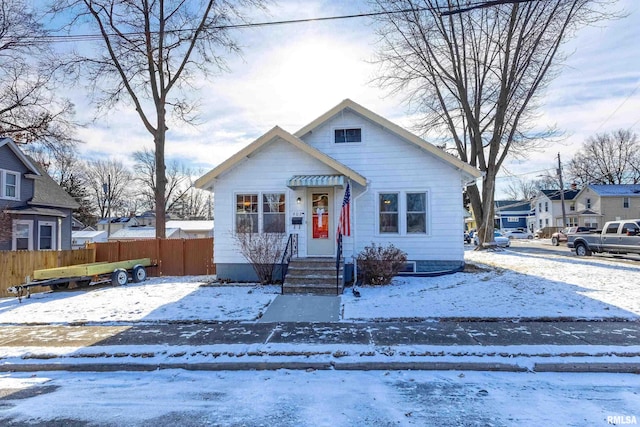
(289, 251)
(338, 258)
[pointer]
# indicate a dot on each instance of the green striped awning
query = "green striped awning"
(316, 181)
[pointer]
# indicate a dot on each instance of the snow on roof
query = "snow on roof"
(87, 234)
(616, 189)
(191, 225)
(140, 233)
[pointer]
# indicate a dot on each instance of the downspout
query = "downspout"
(355, 232)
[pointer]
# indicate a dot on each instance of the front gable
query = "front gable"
(329, 133)
(286, 140)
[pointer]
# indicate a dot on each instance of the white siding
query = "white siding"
(267, 170)
(391, 164)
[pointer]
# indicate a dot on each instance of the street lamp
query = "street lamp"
(106, 187)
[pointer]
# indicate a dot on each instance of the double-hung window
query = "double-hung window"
(9, 184)
(416, 213)
(46, 233)
(246, 213)
(273, 213)
(388, 212)
(625, 202)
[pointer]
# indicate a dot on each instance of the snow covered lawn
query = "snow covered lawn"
(505, 284)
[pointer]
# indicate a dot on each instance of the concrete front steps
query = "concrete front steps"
(315, 276)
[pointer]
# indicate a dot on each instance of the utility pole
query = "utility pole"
(107, 194)
(564, 213)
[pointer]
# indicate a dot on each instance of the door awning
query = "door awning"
(316, 181)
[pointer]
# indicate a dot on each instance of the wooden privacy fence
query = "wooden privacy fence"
(174, 257)
(16, 265)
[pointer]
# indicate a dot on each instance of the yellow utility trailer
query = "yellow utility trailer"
(85, 274)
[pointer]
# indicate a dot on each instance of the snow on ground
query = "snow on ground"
(504, 284)
(318, 398)
(508, 284)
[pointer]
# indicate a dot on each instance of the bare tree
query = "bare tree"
(145, 173)
(63, 165)
(476, 74)
(101, 173)
(151, 51)
(29, 110)
(522, 189)
(607, 158)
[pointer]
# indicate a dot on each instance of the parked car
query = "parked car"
(498, 237)
(518, 234)
(467, 237)
(562, 235)
(616, 237)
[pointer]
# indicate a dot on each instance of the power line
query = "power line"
(66, 38)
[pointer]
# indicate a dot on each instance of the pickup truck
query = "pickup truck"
(616, 237)
(563, 235)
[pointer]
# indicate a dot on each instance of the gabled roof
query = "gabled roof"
(612, 190)
(23, 158)
(47, 192)
(206, 181)
(512, 205)
(392, 127)
(556, 195)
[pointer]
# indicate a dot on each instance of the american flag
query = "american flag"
(344, 224)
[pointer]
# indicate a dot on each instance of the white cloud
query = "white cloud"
(290, 74)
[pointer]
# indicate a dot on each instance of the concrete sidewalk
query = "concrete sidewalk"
(575, 346)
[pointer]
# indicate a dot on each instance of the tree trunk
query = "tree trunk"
(161, 179)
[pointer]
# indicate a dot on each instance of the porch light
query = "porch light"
(299, 200)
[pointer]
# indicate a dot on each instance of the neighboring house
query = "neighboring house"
(142, 233)
(80, 238)
(192, 229)
(40, 209)
(512, 215)
(548, 208)
(404, 191)
(117, 223)
(597, 204)
(147, 218)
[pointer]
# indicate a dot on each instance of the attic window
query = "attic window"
(348, 135)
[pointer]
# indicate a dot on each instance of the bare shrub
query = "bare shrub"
(379, 264)
(263, 250)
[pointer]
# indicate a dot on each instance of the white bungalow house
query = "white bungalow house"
(404, 191)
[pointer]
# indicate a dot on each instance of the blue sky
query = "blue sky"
(290, 74)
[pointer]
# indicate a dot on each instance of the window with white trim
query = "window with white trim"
(346, 135)
(388, 208)
(625, 202)
(22, 239)
(46, 235)
(416, 213)
(268, 216)
(246, 213)
(273, 213)
(9, 184)
(403, 213)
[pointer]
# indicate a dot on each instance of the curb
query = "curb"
(596, 367)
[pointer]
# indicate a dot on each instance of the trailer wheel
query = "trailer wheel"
(59, 286)
(139, 274)
(119, 277)
(581, 250)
